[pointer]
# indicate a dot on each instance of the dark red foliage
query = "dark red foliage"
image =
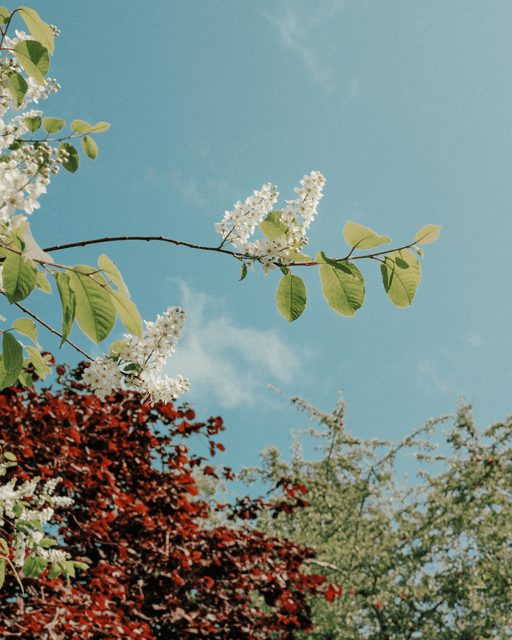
(154, 571)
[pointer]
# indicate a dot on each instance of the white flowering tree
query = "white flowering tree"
(96, 296)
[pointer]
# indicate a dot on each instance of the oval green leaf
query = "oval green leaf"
(100, 126)
(18, 88)
(127, 313)
(19, 277)
(361, 237)
(33, 58)
(427, 234)
(73, 162)
(108, 267)
(12, 359)
(95, 312)
(401, 284)
(40, 366)
(33, 124)
(271, 227)
(53, 125)
(5, 16)
(80, 126)
(26, 327)
(32, 567)
(39, 30)
(68, 301)
(42, 282)
(342, 285)
(90, 147)
(291, 297)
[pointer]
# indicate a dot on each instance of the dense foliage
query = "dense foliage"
(155, 570)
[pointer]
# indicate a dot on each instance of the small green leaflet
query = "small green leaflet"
(108, 267)
(118, 346)
(19, 277)
(73, 162)
(33, 58)
(37, 360)
(53, 125)
(33, 124)
(342, 285)
(399, 282)
(42, 282)
(244, 271)
(362, 238)
(12, 359)
(26, 327)
(291, 297)
(95, 312)
(79, 126)
(32, 567)
(18, 88)
(4, 15)
(99, 127)
(427, 234)
(39, 30)
(68, 301)
(90, 147)
(127, 313)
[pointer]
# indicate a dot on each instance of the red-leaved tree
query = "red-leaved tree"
(154, 571)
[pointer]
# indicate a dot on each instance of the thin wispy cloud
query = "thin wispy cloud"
(474, 340)
(186, 187)
(428, 376)
(294, 27)
(233, 364)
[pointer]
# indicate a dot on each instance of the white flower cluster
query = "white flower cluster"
(144, 356)
(13, 182)
(239, 224)
(9, 496)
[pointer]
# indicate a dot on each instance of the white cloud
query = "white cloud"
(427, 374)
(294, 25)
(474, 340)
(232, 363)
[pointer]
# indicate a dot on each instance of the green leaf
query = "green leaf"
(127, 313)
(118, 346)
(33, 124)
(53, 125)
(19, 277)
(5, 16)
(69, 567)
(26, 379)
(362, 238)
(95, 312)
(55, 571)
(401, 284)
(39, 30)
(2, 573)
(18, 88)
(80, 565)
(291, 297)
(32, 249)
(42, 282)
(244, 271)
(73, 162)
(33, 58)
(10, 456)
(90, 147)
(27, 327)
(40, 366)
(32, 567)
(79, 126)
(46, 543)
(418, 251)
(427, 234)
(271, 227)
(68, 301)
(296, 256)
(342, 285)
(12, 359)
(100, 126)
(108, 267)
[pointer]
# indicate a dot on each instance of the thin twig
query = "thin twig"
(52, 330)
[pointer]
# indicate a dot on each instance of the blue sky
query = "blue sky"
(405, 110)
